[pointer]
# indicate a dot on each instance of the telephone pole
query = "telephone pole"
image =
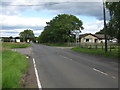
(105, 26)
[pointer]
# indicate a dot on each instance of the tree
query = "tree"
(27, 34)
(114, 24)
(10, 38)
(58, 30)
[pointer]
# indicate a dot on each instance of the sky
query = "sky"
(18, 15)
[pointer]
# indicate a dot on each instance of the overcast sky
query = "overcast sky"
(18, 15)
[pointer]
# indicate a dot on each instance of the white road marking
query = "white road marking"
(103, 73)
(65, 57)
(70, 59)
(113, 77)
(36, 73)
(100, 71)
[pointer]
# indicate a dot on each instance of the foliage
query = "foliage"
(12, 68)
(114, 24)
(27, 34)
(113, 27)
(100, 32)
(59, 29)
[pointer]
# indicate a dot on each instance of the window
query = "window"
(96, 40)
(87, 40)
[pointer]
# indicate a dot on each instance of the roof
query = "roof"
(83, 35)
(99, 36)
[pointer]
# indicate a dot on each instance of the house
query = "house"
(17, 40)
(93, 38)
(114, 40)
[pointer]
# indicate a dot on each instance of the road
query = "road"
(64, 68)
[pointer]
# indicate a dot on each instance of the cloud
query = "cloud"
(13, 21)
(15, 32)
(93, 27)
(78, 8)
(21, 22)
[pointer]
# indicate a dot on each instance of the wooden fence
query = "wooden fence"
(110, 46)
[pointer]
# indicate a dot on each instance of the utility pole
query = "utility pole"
(105, 26)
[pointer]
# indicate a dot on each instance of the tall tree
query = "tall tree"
(114, 24)
(27, 34)
(60, 27)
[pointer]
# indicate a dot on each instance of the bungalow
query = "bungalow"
(93, 38)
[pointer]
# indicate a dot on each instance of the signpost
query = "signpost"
(77, 33)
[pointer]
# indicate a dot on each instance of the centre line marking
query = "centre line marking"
(65, 57)
(113, 77)
(70, 59)
(36, 73)
(100, 71)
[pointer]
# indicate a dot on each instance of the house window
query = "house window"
(87, 40)
(95, 40)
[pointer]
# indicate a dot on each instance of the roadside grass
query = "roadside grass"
(0, 69)
(100, 52)
(15, 45)
(14, 65)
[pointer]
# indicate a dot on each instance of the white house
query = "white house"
(94, 38)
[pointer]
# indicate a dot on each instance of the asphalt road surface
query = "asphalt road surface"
(64, 68)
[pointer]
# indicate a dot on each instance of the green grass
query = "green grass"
(0, 69)
(100, 52)
(15, 45)
(14, 65)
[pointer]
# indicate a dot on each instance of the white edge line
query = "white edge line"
(36, 73)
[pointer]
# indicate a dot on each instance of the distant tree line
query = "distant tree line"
(9, 39)
(24, 36)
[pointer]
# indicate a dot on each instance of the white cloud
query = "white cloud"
(15, 32)
(21, 21)
(38, 32)
(54, 0)
(93, 27)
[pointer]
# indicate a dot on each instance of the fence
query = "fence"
(111, 46)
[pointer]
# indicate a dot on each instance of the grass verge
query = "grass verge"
(113, 54)
(15, 45)
(14, 65)
(0, 70)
